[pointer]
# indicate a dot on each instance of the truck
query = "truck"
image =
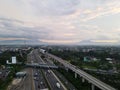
(58, 85)
(42, 51)
(48, 71)
(35, 75)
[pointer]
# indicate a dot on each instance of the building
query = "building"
(87, 59)
(14, 60)
(21, 74)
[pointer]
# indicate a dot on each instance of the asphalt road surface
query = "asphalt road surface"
(39, 80)
(85, 75)
(50, 76)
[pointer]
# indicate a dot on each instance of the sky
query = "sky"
(73, 22)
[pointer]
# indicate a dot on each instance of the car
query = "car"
(41, 82)
(34, 78)
(35, 74)
(38, 86)
(48, 71)
(58, 85)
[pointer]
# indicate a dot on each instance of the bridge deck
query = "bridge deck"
(85, 75)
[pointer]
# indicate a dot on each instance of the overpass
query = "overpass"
(41, 65)
(85, 76)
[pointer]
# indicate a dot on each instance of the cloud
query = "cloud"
(4, 39)
(59, 21)
(66, 33)
(47, 7)
(89, 9)
(105, 41)
(13, 29)
(110, 8)
(60, 41)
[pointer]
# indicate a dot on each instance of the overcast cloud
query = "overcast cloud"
(60, 21)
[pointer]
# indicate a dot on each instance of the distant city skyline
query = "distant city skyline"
(67, 22)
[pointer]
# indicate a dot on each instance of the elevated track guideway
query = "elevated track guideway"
(94, 81)
(41, 65)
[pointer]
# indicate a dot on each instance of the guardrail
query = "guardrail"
(85, 75)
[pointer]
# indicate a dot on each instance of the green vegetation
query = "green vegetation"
(106, 74)
(4, 83)
(13, 68)
(4, 56)
(111, 79)
(77, 82)
(8, 54)
(77, 58)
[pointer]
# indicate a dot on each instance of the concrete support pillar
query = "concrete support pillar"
(89, 82)
(80, 76)
(93, 87)
(75, 75)
(83, 80)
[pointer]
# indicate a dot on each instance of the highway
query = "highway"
(39, 80)
(83, 74)
(49, 74)
(34, 79)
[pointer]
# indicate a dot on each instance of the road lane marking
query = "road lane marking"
(32, 81)
(58, 80)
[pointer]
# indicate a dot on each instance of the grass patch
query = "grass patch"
(77, 82)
